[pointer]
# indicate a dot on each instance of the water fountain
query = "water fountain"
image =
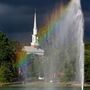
(63, 60)
(64, 47)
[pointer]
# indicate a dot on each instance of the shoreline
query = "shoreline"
(41, 84)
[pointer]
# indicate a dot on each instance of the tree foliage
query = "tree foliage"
(7, 59)
(87, 62)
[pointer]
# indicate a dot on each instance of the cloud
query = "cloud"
(32, 2)
(18, 36)
(9, 9)
(85, 5)
(4, 9)
(20, 18)
(16, 16)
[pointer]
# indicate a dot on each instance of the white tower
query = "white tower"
(34, 42)
(34, 48)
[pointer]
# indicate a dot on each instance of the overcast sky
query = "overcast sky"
(16, 16)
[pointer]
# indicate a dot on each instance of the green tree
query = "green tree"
(87, 62)
(7, 59)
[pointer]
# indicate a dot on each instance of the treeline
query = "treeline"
(8, 69)
(87, 62)
(8, 59)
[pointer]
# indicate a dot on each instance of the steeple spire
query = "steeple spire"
(34, 47)
(35, 25)
(34, 36)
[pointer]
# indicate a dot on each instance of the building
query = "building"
(34, 47)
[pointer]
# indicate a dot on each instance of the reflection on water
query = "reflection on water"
(28, 88)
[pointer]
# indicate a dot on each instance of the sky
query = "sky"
(16, 16)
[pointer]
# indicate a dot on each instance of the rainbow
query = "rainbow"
(23, 59)
(57, 14)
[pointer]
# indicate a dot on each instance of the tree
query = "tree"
(87, 62)
(7, 59)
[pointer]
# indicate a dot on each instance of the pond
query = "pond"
(28, 88)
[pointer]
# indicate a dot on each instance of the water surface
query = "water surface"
(28, 88)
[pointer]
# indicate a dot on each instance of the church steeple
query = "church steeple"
(34, 47)
(35, 25)
(34, 36)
